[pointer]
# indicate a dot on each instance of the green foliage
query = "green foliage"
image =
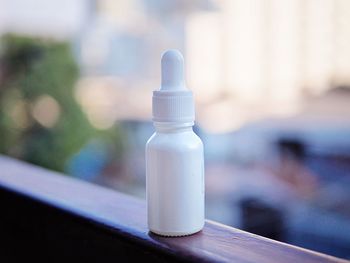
(29, 69)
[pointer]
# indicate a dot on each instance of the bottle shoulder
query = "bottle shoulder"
(175, 141)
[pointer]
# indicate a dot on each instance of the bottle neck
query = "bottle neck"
(173, 127)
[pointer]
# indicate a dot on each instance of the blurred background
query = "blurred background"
(271, 79)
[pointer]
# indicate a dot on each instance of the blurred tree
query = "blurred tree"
(40, 121)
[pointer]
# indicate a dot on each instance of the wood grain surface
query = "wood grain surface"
(124, 217)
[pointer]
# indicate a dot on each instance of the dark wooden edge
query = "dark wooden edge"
(118, 223)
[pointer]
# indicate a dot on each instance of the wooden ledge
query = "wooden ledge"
(117, 219)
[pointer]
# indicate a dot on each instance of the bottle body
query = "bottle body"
(175, 182)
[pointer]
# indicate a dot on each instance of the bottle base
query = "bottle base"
(175, 234)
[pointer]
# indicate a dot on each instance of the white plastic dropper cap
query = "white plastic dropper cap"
(173, 102)
(172, 71)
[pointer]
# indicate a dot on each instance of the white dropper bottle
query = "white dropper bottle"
(174, 157)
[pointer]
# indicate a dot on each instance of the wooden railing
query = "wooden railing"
(48, 216)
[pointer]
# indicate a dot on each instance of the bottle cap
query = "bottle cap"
(173, 102)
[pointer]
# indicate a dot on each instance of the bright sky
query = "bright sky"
(59, 18)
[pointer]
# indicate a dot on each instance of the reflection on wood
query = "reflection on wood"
(53, 217)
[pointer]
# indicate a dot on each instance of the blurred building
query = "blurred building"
(246, 60)
(265, 58)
